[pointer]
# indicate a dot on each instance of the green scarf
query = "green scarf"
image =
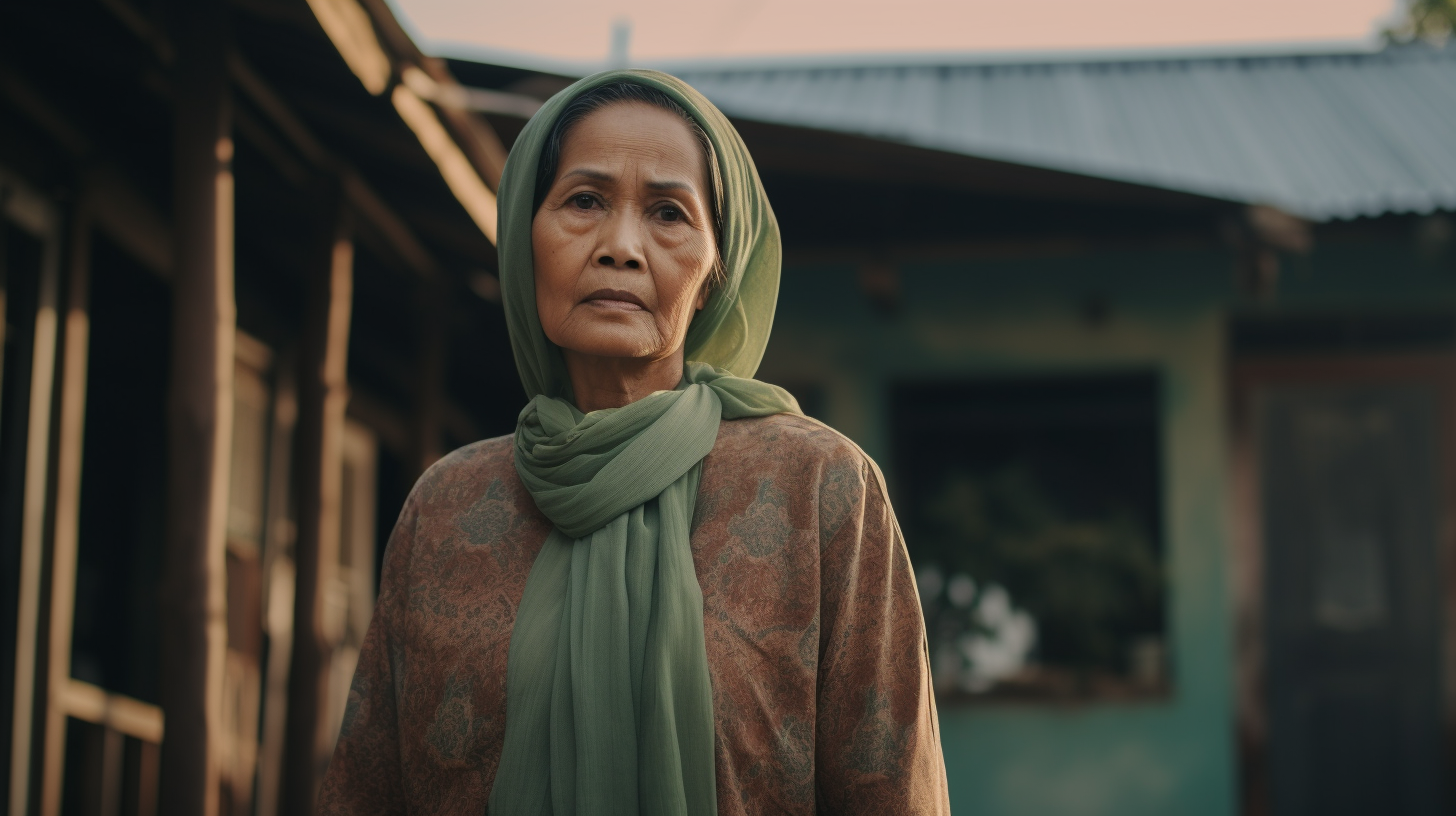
(609, 706)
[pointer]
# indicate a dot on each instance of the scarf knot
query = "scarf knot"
(584, 470)
(609, 706)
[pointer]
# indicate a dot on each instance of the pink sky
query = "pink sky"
(579, 30)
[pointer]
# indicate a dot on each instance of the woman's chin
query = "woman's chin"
(614, 347)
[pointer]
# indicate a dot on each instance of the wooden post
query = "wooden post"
(323, 395)
(34, 376)
(65, 531)
(200, 408)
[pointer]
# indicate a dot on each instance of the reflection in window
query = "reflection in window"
(1033, 523)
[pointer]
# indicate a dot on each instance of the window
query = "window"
(1031, 508)
(116, 642)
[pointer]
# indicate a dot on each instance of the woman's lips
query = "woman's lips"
(616, 299)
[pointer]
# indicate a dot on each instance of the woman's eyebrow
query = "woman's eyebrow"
(603, 176)
(589, 174)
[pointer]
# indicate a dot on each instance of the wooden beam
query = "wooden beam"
(323, 395)
(293, 170)
(401, 239)
(119, 207)
(469, 145)
(352, 32)
(142, 28)
(129, 219)
(433, 82)
(251, 83)
(454, 165)
(200, 406)
(479, 141)
(393, 228)
(116, 712)
(33, 104)
(390, 30)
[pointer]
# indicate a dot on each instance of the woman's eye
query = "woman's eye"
(583, 201)
(671, 214)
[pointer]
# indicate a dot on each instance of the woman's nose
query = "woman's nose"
(621, 243)
(630, 263)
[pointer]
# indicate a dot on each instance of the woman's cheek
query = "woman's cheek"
(553, 291)
(683, 300)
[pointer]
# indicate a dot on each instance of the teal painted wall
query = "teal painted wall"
(1351, 274)
(1166, 310)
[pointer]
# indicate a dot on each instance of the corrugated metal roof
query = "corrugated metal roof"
(1323, 136)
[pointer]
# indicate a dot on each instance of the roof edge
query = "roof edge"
(492, 55)
(1273, 52)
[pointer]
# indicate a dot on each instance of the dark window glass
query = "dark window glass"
(1031, 508)
(116, 642)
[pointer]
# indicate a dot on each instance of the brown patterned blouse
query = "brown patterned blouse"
(816, 647)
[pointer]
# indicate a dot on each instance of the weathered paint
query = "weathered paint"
(1173, 755)
(1165, 310)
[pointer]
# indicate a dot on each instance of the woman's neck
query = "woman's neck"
(611, 382)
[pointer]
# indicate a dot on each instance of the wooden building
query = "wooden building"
(246, 269)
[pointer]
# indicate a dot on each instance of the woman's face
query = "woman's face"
(623, 242)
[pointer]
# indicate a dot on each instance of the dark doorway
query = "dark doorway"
(1350, 491)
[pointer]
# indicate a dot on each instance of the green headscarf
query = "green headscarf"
(609, 707)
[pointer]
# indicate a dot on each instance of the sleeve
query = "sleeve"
(878, 741)
(365, 775)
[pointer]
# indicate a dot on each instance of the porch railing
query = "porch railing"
(119, 752)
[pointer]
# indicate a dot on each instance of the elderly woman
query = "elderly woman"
(669, 592)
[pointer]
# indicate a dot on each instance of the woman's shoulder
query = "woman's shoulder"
(468, 470)
(799, 465)
(790, 441)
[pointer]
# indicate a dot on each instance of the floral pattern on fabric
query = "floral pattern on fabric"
(821, 689)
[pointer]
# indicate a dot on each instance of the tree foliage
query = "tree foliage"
(1093, 585)
(1425, 19)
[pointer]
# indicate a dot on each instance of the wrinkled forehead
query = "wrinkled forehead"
(633, 141)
